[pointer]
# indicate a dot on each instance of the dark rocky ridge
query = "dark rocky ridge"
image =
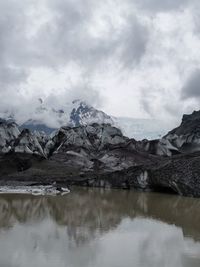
(100, 156)
(190, 124)
(186, 137)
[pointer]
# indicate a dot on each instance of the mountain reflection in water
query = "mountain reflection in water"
(99, 228)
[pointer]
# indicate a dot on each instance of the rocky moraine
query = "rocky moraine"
(99, 155)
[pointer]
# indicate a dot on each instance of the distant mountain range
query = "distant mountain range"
(47, 119)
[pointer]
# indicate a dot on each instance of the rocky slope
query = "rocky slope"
(100, 156)
(186, 137)
(183, 139)
(9, 131)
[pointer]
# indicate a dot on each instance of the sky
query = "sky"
(130, 58)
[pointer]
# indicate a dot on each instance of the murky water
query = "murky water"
(97, 228)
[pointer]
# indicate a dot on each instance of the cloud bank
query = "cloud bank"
(130, 58)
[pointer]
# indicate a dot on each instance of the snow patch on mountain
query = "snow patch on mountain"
(48, 119)
(84, 114)
(142, 128)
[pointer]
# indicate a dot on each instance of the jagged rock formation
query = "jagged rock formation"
(161, 147)
(14, 141)
(183, 139)
(99, 147)
(100, 156)
(28, 142)
(8, 134)
(186, 137)
(42, 138)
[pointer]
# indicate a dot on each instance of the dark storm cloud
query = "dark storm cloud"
(191, 89)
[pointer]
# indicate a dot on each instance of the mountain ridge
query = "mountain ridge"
(80, 113)
(99, 155)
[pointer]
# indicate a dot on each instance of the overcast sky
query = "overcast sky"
(129, 58)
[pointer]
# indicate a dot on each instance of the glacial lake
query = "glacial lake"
(99, 228)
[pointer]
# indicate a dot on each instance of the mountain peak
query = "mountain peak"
(48, 118)
(191, 117)
(82, 114)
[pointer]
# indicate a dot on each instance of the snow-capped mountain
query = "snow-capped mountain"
(74, 114)
(48, 119)
(83, 114)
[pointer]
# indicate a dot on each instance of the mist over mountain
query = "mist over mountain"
(142, 128)
(79, 113)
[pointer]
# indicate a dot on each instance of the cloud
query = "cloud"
(164, 6)
(86, 34)
(139, 52)
(191, 88)
(13, 41)
(55, 35)
(132, 42)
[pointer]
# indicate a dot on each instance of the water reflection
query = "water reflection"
(93, 228)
